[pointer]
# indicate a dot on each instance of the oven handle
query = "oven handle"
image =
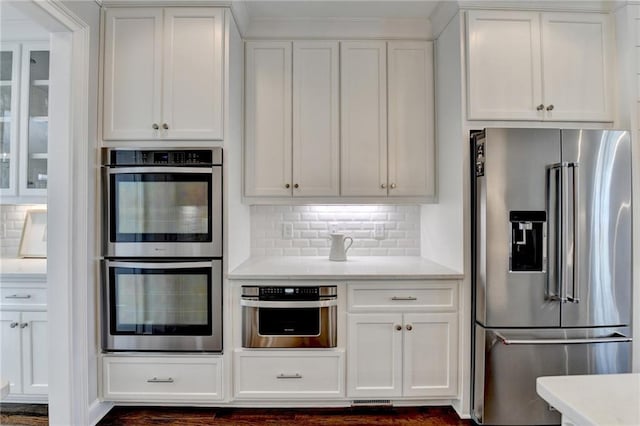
(288, 304)
(160, 265)
(122, 170)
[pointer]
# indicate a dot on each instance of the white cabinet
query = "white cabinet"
(163, 74)
(24, 121)
(405, 342)
(24, 348)
(292, 144)
(162, 378)
(538, 66)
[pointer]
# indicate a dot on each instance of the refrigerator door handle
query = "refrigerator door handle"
(574, 297)
(555, 288)
(614, 338)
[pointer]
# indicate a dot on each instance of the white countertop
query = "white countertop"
(603, 399)
(356, 267)
(23, 267)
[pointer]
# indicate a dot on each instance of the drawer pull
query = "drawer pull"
(156, 380)
(18, 296)
(404, 298)
(289, 376)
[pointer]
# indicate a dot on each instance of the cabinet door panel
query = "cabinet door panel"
(193, 81)
(503, 65)
(9, 91)
(411, 119)
(132, 68)
(35, 347)
(363, 80)
(431, 355)
(315, 119)
(374, 356)
(10, 350)
(576, 66)
(268, 115)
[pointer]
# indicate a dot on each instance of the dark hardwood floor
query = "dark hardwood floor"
(183, 416)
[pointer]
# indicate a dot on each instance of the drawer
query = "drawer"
(149, 379)
(23, 297)
(289, 375)
(431, 296)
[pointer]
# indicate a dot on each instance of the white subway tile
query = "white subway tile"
(309, 234)
(291, 252)
(308, 251)
(309, 217)
(274, 252)
(318, 225)
(300, 243)
(289, 216)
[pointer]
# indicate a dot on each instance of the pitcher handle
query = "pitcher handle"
(350, 242)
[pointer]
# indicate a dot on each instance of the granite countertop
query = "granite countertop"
(16, 267)
(356, 267)
(601, 399)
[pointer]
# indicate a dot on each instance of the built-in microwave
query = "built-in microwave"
(168, 305)
(162, 203)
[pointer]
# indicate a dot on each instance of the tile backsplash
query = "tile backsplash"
(311, 226)
(11, 222)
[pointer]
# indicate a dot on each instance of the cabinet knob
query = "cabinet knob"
(383, 185)
(398, 327)
(540, 107)
(409, 327)
(296, 185)
(286, 185)
(155, 126)
(550, 108)
(165, 126)
(24, 325)
(393, 185)
(14, 324)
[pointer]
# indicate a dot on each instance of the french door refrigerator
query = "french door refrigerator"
(551, 264)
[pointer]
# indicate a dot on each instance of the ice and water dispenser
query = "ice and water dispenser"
(527, 251)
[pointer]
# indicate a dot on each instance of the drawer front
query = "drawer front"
(429, 296)
(23, 297)
(145, 379)
(281, 375)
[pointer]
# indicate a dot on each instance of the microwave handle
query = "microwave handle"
(123, 170)
(160, 265)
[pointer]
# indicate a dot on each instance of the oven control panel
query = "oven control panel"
(284, 293)
(150, 157)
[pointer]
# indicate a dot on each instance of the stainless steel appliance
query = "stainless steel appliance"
(164, 203)
(551, 264)
(289, 317)
(162, 305)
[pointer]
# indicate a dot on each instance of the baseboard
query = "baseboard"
(97, 410)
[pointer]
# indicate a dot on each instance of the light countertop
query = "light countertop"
(603, 399)
(16, 267)
(356, 267)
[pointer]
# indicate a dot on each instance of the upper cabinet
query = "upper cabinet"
(350, 119)
(538, 66)
(163, 74)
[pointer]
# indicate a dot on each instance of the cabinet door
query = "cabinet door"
(576, 66)
(10, 350)
(268, 115)
(431, 355)
(503, 66)
(374, 355)
(315, 119)
(9, 94)
(411, 119)
(132, 73)
(192, 73)
(363, 80)
(35, 352)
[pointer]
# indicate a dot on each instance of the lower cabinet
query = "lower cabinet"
(289, 374)
(162, 379)
(24, 353)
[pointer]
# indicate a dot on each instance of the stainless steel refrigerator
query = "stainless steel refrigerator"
(551, 268)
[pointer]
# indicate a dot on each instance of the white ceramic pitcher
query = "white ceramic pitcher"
(338, 250)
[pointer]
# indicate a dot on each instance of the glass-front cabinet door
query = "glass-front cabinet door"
(9, 94)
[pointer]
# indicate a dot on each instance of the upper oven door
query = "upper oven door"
(163, 211)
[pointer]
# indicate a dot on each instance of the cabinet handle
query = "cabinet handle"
(409, 327)
(289, 376)
(404, 298)
(156, 380)
(540, 107)
(165, 126)
(296, 186)
(155, 126)
(18, 296)
(286, 185)
(24, 325)
(14, 324)
(393, 185)
(383, 185)
(550, 108)
(398, 327)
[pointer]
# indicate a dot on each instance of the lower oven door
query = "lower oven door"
(291, 324)
(162, 306)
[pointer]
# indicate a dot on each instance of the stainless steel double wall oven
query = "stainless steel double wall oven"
(162, 234)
